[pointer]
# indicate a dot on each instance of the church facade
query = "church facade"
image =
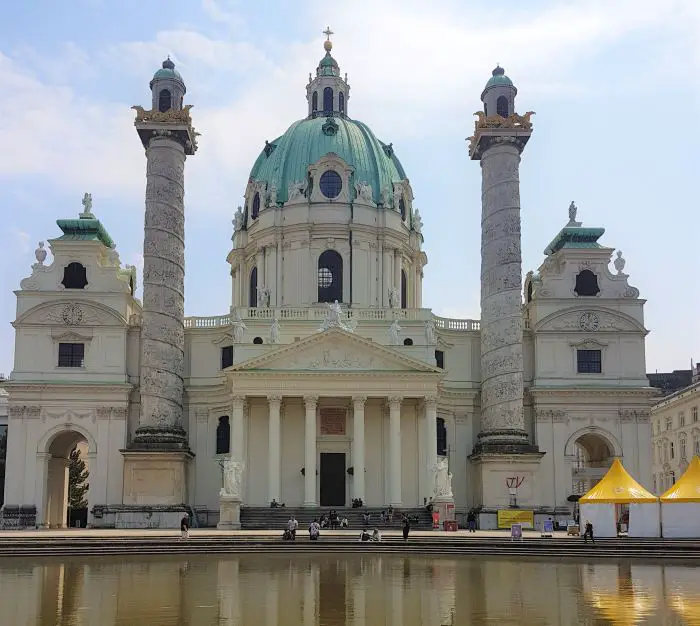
(328, 381)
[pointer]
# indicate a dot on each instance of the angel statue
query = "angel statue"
(233, 477)
(87, 206)
(394, 331)
(442, 479)
(573, 209)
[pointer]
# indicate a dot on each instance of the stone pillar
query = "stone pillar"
(237, 444)
(430, 441)
(395, 451)
(310, 403)
(502, 420)
(358, 447)
(274, 452)
(57, 492)
(397, 271)
(260, 264)
(386, 276)
(162, 330)
(242, 285)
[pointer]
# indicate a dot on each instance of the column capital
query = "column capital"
(238, 401)
(430, 402)
(274, 398)
(394, 401)
(359, 401)
(310, 401)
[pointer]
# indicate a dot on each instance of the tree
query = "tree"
(77, 481)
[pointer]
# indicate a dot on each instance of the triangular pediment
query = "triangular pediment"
(336, 350)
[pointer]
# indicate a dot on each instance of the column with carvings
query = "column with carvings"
(387, 257)
(498, 141)
(395, 451)
(358, 447)
(310, 403)
(168, 137)
(274, 450)
(430, 405)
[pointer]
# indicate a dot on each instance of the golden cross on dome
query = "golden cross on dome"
(328, 32)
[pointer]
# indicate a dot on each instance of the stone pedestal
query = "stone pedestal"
(445, 508)
(155, 478)
(229, 513)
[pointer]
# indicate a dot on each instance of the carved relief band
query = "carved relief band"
(332, 421)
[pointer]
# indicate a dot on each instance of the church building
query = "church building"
(328, 382)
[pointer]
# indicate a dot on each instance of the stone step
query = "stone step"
(265, 518)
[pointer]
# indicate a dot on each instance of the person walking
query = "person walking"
(471, 522)
(588, 532)
(185, 527)
(406, 527)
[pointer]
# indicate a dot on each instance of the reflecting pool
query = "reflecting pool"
(328, 590)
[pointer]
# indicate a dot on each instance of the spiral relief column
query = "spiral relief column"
(168, 136)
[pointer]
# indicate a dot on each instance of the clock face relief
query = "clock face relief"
(589, 322)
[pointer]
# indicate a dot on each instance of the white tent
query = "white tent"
(599, 505)
(680, 505)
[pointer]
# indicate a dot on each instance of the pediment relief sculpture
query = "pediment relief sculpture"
(71, 314)
(589, 321)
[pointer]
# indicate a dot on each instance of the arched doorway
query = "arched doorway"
(66, 485)
(593, 456)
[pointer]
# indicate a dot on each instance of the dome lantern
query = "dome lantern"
(499, 94)
(327, 93)
(168, 88)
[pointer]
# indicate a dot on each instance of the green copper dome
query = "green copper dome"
(168, 71)
(286, 160)
(499, 78)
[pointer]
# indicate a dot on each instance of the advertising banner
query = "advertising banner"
(508, 517)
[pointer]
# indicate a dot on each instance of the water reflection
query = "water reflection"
(357, 590)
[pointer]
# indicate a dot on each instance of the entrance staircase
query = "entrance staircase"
(265, 518)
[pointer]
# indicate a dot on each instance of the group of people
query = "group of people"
(335, 521)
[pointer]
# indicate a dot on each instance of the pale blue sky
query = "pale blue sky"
(614, 85)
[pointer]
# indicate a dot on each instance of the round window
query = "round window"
(331, 184)
(325, 277)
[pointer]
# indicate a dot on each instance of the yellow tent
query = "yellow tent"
(618, 487)
(687, 487)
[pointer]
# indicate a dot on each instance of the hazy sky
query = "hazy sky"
(614, 85)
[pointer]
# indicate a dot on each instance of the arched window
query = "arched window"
(586, 284)
(253, 288)
(165, 101)
(256, 206)
(257, 340)
(408, 341)
(331, 184)
(330, 277)
(404, 290)
(486, 110)
(402, 208)
(74, 276)
(502, 106)
(314, 102)
(341, 102)
(328, 100)
(223, 436)
(441, 437)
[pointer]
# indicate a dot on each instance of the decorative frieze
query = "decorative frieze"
(24, 411)
(634, 415)
(551, 415)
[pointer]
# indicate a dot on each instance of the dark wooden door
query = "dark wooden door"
(332, 481)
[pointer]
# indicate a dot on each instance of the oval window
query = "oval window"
(331, 184)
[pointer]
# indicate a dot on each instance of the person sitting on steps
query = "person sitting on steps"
(588, 532)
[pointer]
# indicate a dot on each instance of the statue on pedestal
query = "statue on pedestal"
(239, 327)
(394, 330)
(394, 298)
(335, 319)
(233, 478)
(430, 332)
(442, 479)
(275, 331)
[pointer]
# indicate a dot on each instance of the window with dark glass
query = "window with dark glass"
(256, 206)
(529, 291)
(330, 277)
(502, 106)
(408, 341)
(586, 284)
(589, 361)
(341, 102)
(226, 357)
(328, 100)
(331, 184)
(71, 354)
(165, 101)
(253, 288)
(3, 458)
(402, 208)
(314, 102)
(74, 276)
(257, 340)
(441, 437)
(223, 435)
(440, 359)
(404, 290)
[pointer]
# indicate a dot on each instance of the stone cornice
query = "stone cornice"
(66, 387)
(639, 392)
(336, 374)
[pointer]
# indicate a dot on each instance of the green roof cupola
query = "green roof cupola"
(499, 94)
(168, 88)
(328, 93)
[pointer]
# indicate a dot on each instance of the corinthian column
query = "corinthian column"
(395, 451)
(502, 422)
(358, 447)
(310, 403)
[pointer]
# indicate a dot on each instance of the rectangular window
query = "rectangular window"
(226, 357)
(589, 361)
(681, 418)
(71, 354)
(440, 359)
(695, 413)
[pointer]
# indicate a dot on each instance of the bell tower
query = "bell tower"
(160, 442)
(328, 93)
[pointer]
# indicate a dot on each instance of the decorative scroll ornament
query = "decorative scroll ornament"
(172, 116)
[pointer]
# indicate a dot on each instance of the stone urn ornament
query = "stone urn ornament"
(619, 262)
(40, 253)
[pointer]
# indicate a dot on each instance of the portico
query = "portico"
(333, 418)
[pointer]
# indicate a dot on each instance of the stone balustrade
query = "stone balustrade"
(318, 313)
